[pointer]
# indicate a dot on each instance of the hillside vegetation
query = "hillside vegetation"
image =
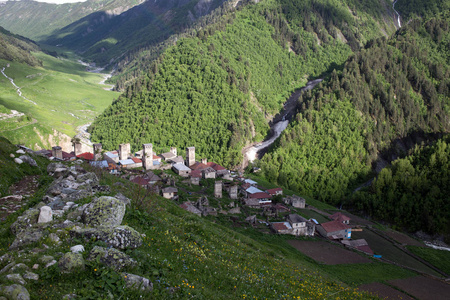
(17, 48)
(395, 89)
(217, 90)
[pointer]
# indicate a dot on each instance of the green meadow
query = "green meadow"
(66, 96)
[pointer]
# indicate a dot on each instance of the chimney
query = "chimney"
(173, 150)
(204, 161)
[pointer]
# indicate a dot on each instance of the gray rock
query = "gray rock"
(45, 259)
(15, 292)
(45, 214)
(20, 267)
(20, 151)
(137, 282)
(31, 276)
(60, 172)
(122, 237)
(69, 297)
(77, 249)
(12, 155)
(57, 204)
(87, 178)
(7, 267)
(18, 161)
(71, 262)
(104, 211)
(28, 160)
(53, 166)
(25, 221)
(5, 257)
(111, 257)
(16, 278)
(122, 198)
(50, 263)
(26, 237)
(54, 238)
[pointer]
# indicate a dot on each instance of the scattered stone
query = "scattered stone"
(35, 266)
(104, 211)
(31, 276)
(50, 264)
(111, 257)
(71, 262)
(25, 221)
(122, 198)
(137, 282)
(16, 278)
(20, 151)
(45, 215)
(87, 178)
(18, 161)
(69, 297)
(19, 268)
(26, 237)
(28, 160)
(54, 238)
(59, 172)
(45, 259)
(53, 166)
(7, 268)
(77, 249)
(122, 237)
(5, 257)
(12, 155)
(57, 204)
(15, 292)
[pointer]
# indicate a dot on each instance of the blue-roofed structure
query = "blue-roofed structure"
(99, 164)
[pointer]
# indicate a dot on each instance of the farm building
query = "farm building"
(335, 230)
(275, 191)
(181, 170)
(340, 217)
(295, 201)
(169, 192)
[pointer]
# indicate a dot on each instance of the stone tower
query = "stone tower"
(97, 151)
(190, 156)
(173, 150)
(233, 192)
(147, 156)
(77, 148)
(57, 152)
(124, 151)
(218, 189)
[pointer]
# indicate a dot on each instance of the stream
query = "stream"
(19, 92)
(278, 126)
(396, 12)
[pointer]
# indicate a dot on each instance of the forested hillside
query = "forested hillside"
(414, 192)
(217, 90)
(37, 20)
(17, 48)
(394, 89)
(420, 8)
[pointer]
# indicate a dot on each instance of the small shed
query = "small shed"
(169, 192)
(181, 170)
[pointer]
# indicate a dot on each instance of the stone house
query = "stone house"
(152, 177)
(295, 201)
(208, 173)
(169, 192)
(340, 218)
(191, 208)
(275, 191)
(181, 170)
(335, 230)
(300, 225)
(281, 227)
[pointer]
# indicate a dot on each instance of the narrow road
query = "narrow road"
(19, 92)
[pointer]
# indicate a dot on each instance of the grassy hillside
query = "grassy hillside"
(17, 48)
(60, 96)
(218, 90)
(393, 93)
(37, 20)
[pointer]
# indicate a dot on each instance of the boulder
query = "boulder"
(77, 249)
(18, 161)
(12, 155)
(111, 257)
(122, 237)
(30, 276)
(25, 221)
(26, 237)
(15, 292)
(28, 160)
(71, 262)
(45, 214)
(104, 211)
(20, 151)
(137, 282)
(16, 278)
(122, 198)
(87, 178)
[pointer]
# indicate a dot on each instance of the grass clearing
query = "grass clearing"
(438, 258)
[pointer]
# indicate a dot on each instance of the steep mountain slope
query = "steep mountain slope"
(411, 8)
(102, 36)
(218, 90)
(394, 92)
(17, 48)
(37, 20)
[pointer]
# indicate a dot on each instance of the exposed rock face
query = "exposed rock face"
(111, 257)
(16, 278)
(28, 160)
(137, 282)
(104, 211)
(26, 237)
(15, 292)
(45, 214)
(25, 221)
(51, 168)
(71, 262)
(122, 237)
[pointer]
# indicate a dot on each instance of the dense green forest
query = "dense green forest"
(394, 89)
(413, 193)
(16, 48)
(420, 8)
(217, 90)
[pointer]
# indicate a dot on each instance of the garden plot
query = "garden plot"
(423, 288)
(328, 253)
(383, 291)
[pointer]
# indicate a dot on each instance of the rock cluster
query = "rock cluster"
(60, 218)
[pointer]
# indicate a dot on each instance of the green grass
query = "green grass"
(438, 258)
(358, 274)
(385, 248)
(66, 95)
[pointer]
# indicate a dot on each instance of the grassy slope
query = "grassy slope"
(438, 258)
(59, 88)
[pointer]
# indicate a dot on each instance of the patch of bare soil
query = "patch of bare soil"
(20, 191)
(403, 238)
(424, 288)
(328, 253)
(383, 291)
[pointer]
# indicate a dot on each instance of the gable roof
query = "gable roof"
(136, 160)
(339, 217)
(152, 176)
(168, 155)
(196, 173)
(86, 156)
(215, 166)
(170, 190)
(140, 180)
(250, 181)
(295, 218)
(198, 166)
(253, 190)
(262, 195)
(274, 191)
(333, 226)
(281, 226)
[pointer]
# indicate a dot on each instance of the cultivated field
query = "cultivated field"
(424, 288)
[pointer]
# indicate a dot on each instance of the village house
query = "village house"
(340, 218)
(131, 163)
(169, 192)
(252, 203)
(141, 181)
(335, 230)
(262, 197)
(275, 191)
(191, 208)
(360, 244)
(300, 225)
(253, 190)
(177, 160)
(57, 153)
(295, 201)
(181, 170)
(281, 227)
(168, 156)
(99, 164)
(87, 156)
(111, 156)
(208, 173)
(152, 177)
